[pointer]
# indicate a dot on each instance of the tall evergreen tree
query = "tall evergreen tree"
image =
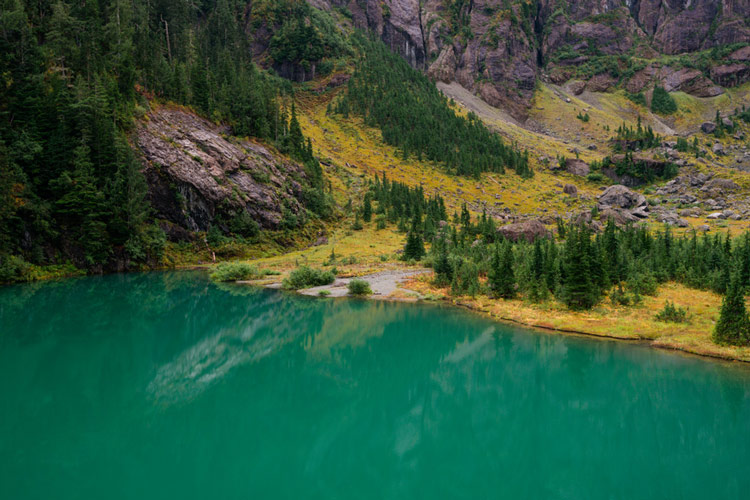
(502, 277)
(579, 290)
(733, 326)
(367, 208)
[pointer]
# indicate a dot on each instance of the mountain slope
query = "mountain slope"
(497, 49)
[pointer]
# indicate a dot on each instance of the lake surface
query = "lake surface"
(165, 385)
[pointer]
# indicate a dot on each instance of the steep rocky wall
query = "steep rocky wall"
(197, 176)
(497, 48)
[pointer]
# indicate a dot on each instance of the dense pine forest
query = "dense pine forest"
(76, 75)
(416, 118)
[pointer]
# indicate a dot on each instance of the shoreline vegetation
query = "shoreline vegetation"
(631, 324)
(402, 282)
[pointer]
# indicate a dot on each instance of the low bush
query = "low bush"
(359, 287)
(307, 277)
(672, 314)
(237, 271)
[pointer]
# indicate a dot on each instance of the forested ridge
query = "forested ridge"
(416, 117)
(75, 76)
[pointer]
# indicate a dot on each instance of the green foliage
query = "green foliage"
(359, 287)
(357, 225)
(307, 277)
(733, 326)
(672, 314)
(638, 138)
(637, 98)
(69, 182)
(414, 248)
(367, 208)
(639, 168)
(465, 278)
(416, 118)
(237, 271)
(625, 263)
(661, 102)
(14, 269)
(583, 117)
(502, 278)
(579, 287)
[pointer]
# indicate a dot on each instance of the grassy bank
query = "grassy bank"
(607, 320)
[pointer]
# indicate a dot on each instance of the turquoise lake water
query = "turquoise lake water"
(165, 385)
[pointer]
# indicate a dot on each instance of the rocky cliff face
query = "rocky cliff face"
(498, 48)
(197, 176)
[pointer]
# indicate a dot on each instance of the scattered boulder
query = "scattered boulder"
(619, 217)
(672, 219)
(577, 167)
(577, 87)
(690, 212)
(529, 230)
(718, 149)
(570, 189)
(600, 83)
(708, 127)
(717, 187)
(619, 196)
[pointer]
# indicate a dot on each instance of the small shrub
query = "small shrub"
(357, 226)
(236, 271)
(14, 269)
(359, 287)
(307, 277)
(619, 297)
(595, 177)
(638, 98)
(672, 314)
(324, 293)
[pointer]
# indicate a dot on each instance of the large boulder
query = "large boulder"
(600, 83)
(577, 167)
(708, 127)
(529, 231)
(621, 197)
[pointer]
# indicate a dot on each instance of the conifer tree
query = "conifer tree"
(414, 249)
(502, 276)
(367, 208)
(578, 289)
(733, 326)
